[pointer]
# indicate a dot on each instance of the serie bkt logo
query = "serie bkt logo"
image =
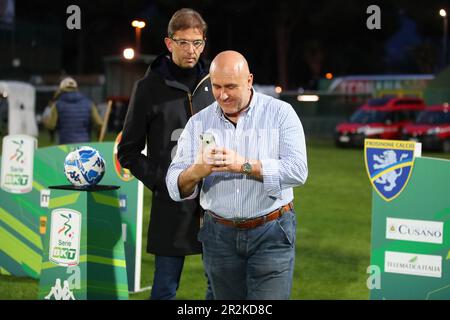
(65, 237)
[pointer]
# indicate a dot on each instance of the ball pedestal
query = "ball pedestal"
(84, 255)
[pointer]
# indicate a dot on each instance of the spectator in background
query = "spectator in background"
(72, 115)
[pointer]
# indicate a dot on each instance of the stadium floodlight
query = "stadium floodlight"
(138, 25)
(128, 53)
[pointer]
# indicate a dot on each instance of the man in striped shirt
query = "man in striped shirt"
(245, 179)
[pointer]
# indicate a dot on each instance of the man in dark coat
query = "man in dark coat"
(175, 87)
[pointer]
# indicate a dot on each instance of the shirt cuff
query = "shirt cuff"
(271, 177)
(193, 195)
(172, 186)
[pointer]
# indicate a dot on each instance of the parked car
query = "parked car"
(379, 118)
(432, 128)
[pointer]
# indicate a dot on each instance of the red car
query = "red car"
(432, 128)
(380, 118)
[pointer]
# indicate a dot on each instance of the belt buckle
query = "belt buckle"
(238, 222)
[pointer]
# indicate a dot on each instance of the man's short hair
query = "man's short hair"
(186, 18)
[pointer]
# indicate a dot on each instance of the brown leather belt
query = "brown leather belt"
(254, 222)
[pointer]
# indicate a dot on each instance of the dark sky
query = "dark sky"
(292, 41)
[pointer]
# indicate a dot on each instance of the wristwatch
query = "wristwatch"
(247, 168)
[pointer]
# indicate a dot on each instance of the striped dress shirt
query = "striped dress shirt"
(269, 131)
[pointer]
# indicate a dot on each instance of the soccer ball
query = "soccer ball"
(84, 167)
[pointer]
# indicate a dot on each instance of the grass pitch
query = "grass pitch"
(333, 234)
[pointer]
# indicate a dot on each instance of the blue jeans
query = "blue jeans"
(167, 278)
(254, 264)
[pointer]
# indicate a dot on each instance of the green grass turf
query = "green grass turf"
(333, 233)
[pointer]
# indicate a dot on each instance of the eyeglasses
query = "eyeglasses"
(185, 44)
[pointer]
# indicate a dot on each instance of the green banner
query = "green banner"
(411, 236)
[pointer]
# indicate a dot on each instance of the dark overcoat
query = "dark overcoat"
(158, 111)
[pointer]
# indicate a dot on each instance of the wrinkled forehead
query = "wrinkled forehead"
(226, 78)
(231, 73)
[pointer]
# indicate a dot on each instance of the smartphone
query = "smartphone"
(208, 140)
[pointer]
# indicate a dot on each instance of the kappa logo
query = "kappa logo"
(60, 293)
(65, 292)
(389, 165)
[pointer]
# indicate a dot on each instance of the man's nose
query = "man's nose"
(223, 95)
(190, 48)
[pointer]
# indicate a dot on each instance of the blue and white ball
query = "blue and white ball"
(84, 167)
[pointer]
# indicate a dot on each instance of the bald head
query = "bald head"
(230, 62)
(232, 82)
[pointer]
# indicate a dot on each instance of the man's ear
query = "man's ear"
(168, 43)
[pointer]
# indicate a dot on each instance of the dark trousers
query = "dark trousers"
(167, 278)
